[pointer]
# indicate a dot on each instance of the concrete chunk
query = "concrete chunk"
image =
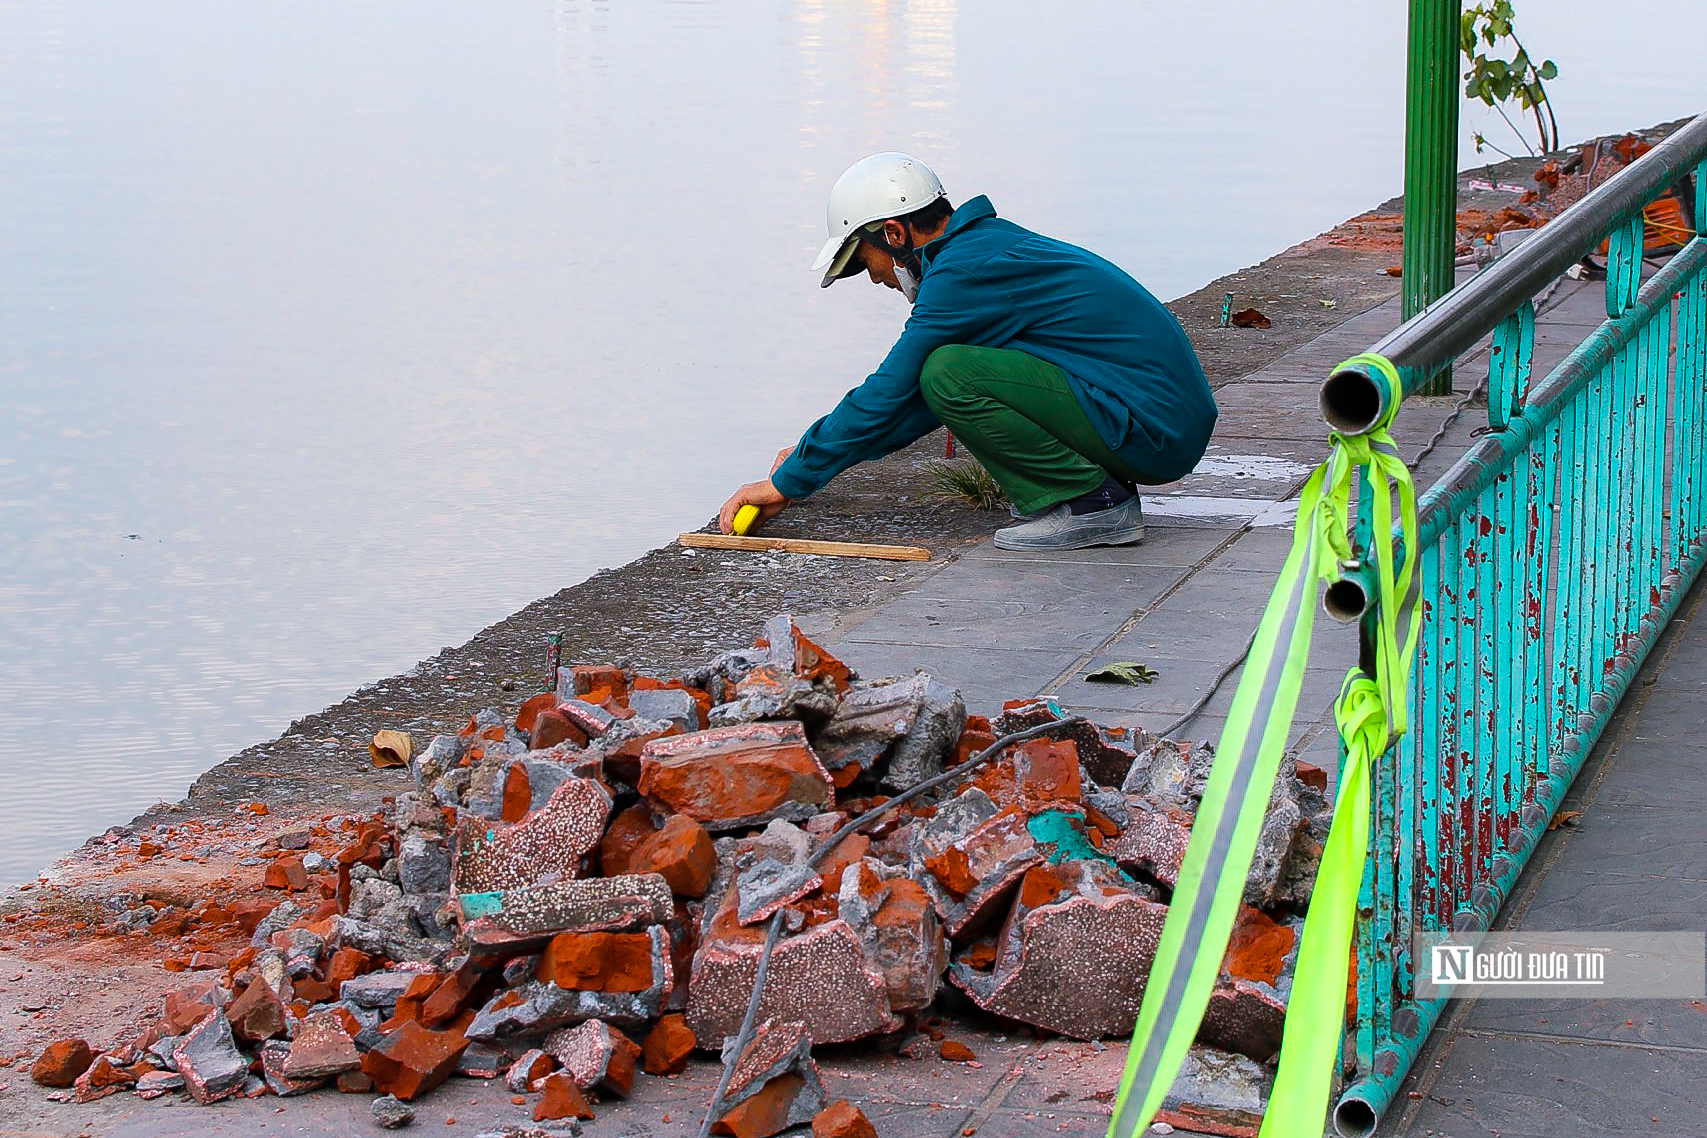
(544, 847)
(208, 1059)
(533, 915)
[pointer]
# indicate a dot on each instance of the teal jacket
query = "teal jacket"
(990, 283)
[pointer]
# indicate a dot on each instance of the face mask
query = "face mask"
(908, 282)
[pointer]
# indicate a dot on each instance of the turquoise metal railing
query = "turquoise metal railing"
(1551, 556)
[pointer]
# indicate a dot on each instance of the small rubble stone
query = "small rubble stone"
(529, 1069)
(391, 1113)
(954, 1051)
(668, 1046)
(355, 1083)
(103, 1078)
(561, 1098)
(672, 705)
(208, 1058)
(423, 865)
(61, 1062)
(842, 1119)
(596, 1056)
(1154, 840)
(772, 692)
(774, 1086)
(912, 722)
(1217, 1093)
(480, 1061)
(733, 777)
(189, 1005)
(154, 1084)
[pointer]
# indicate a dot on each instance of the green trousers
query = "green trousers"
(1019, 417)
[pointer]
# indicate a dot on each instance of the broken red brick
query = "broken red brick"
(188, 1006)
(596, 1056)
(552, 727)
(668, 1046)
(348, 963)
(528, 1070)
(730, 777)
(286, 873)
(1047, 771)
(1258, 947)
(682, 853)
(61, 1063)
(597, 683)
(103, 1078)
(765, 1113)
(258, 1013)
(599, 962)
(321, 1049)
(530, 709)
(561, 1098)
(956, 1052)
(1313, 776)
(518, 794)
(626, 832)
(413, 1060)
(456, 993)
(355, 1083)
(842, 1119)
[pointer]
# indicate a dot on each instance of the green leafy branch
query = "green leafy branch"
(1496, 81)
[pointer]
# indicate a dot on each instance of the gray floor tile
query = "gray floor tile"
(1667, 1023)
(1169, 546)
(1517, 1087)
(1649, 773)
(986, 677)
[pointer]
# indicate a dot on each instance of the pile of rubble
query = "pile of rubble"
(581, 890)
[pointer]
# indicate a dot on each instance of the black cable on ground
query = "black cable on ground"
(772, 932)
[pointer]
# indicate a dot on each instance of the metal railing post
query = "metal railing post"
(1431, 163)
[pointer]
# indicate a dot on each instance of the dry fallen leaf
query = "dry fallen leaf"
(1250, 318)
(391, 748)
(1565, 818)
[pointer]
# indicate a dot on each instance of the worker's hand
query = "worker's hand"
(766, 497)
(781, 457)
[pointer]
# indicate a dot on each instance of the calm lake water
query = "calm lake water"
(332, 332)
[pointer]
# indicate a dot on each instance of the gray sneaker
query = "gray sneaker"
(1060, 529)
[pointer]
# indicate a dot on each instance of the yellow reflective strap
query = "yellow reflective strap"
(1371, 713)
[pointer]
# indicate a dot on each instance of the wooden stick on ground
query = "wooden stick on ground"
(801, 545)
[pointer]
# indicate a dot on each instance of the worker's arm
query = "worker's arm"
(886, 412)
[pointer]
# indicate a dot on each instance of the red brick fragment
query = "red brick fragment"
(730, 777)
(596, 1056)
(348, 963)
(518, 794)
(842, 1119)
(61, 1063)
(455, 994)
(682, 853)
(599, 962)
(413, 1060)
(561, 1098)
(552, 727)
(1312, 775)
(530, 709)
(626, 832)
(668, 1046)
(355, 1083)
(187, 1007)
(597, 683)
(956, 1052)
(257, 1014)
(286, 873)
(1258, 947)
(1047, 770)
(765, 1113)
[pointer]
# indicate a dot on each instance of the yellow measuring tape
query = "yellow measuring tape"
(1370, 714)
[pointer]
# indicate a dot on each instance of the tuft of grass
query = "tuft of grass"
(967, 482)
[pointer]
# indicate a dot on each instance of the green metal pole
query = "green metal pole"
(1431, 162)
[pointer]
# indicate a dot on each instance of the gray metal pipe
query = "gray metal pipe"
(1352, 401)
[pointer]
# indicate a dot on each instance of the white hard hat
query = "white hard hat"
(872, 189)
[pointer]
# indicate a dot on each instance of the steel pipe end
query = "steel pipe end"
(1346, 600)
(1355, 1117)
(1357, 398)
